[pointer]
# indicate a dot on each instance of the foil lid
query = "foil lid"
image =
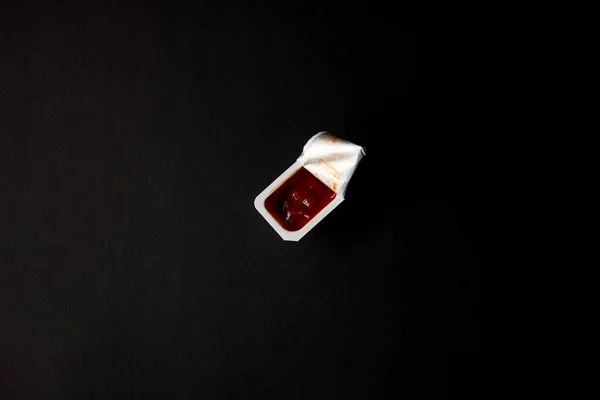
(332, 160)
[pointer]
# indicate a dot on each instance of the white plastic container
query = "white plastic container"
(332, 161)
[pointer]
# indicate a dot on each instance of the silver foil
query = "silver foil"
(332, 160)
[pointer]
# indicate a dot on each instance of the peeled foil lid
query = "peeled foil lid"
(332, 160)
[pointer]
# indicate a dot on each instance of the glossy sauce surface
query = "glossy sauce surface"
(298, 200)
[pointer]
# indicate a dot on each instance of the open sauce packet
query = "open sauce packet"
(311, 188)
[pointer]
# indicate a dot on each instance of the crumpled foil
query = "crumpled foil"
(332, 160)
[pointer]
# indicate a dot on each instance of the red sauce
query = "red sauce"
(298, 200)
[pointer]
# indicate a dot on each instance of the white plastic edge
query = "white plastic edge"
(259, 204)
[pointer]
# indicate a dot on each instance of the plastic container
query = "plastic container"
(328, 158)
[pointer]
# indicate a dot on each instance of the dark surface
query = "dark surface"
(133, 264)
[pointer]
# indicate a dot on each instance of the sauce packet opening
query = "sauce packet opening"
(311, 188)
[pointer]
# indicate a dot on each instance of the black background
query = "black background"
(133, 141)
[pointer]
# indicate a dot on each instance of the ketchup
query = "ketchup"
(298, 200)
